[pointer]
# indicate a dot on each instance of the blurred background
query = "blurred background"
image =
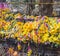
(35, 7)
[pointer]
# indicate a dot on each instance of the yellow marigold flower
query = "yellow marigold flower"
(16, 35)
(6, 27)
(46, 17)
(53, 31)
(3, 12)
(32, 17)
(55, 39)
(19, 47)
(51, 38)
(34, 36)
(58, 24)
(29, 52)
(6, 15)
(18, 39)
(45, 37)
(17, 15)
(35, 25)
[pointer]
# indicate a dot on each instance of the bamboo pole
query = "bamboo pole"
(31, 3)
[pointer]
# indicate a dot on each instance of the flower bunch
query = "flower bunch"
(40, 31)
(29, 51)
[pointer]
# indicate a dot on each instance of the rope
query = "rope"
(30, 3)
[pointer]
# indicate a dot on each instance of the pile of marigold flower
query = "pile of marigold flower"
(41, 31)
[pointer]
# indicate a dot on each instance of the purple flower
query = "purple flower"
(58, 20)
(29, 48)
(3, 5)
(46, 24)
(29, 34)
(43, 18)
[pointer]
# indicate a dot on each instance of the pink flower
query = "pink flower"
(58, 20)
(46, 24)
(43, 18)
(3, 5)
(29, 48)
